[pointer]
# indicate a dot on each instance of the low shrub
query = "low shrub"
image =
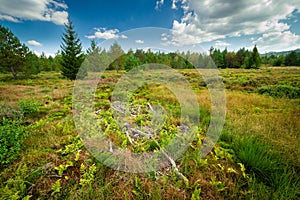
(12, 135)
(29, 106)
(280, 91)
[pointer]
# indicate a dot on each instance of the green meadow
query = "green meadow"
(256, 157)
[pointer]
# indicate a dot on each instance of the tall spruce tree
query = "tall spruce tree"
(72, 55)
(93, 57)
(116, 53)
(256, 58)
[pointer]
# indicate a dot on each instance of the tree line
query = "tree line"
(15, 57)
(290, 59)
(241, 59)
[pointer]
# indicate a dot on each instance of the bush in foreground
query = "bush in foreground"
(12, 135)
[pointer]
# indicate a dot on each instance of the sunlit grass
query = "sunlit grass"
(261, 133)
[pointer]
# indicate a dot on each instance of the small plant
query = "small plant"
(137, 186)
(16, 187)
(196, 194)
(12, 135)
(56, 187)
(62, 168)
(76, 144)
(219, 185)
(243, 170)
(29, 106)
(87, 175)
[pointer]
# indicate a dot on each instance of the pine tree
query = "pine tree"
(256, 58)
(72, 55)
(252, 60)
(93, 49)
(131, 61)
(116, 53)
(12, 53)
(93, 57)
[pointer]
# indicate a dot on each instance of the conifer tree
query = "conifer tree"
(256, 58)
(72, 55)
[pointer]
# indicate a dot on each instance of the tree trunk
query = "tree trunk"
(14, 73)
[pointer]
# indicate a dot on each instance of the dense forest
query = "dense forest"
(16, 57)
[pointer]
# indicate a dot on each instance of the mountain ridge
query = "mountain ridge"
(279, 53)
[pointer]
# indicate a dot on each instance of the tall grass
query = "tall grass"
(272, 178)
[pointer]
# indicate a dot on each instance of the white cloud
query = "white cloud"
(211, 20)
(103, 33)
(165, 37)
(174, 2)
(139, 41)
(159, 4)
(278, 41)
(8, 18)
(220, 44)
(46, 54)
(60, 17)
(41, 10)
(34, 43)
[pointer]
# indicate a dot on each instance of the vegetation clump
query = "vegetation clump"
(280, 91)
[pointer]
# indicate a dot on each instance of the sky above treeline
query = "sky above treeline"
(273, 25)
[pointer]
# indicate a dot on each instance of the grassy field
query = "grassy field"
(256, 157)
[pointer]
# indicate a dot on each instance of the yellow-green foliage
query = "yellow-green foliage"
(257, 156)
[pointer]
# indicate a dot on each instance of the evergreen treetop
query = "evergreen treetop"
(72, 55)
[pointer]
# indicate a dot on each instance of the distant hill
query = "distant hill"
(279, 53)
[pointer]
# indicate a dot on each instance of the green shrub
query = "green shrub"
(29, 106)
(280, 91)
(12, 135)
(10, 112)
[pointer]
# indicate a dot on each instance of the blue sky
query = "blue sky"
(272, 25)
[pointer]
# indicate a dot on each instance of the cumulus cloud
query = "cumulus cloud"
(277, 41)
(34, 43)
(103, 33)
(159, 4)
(139, 41)
(41, 10)
(211, 20)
